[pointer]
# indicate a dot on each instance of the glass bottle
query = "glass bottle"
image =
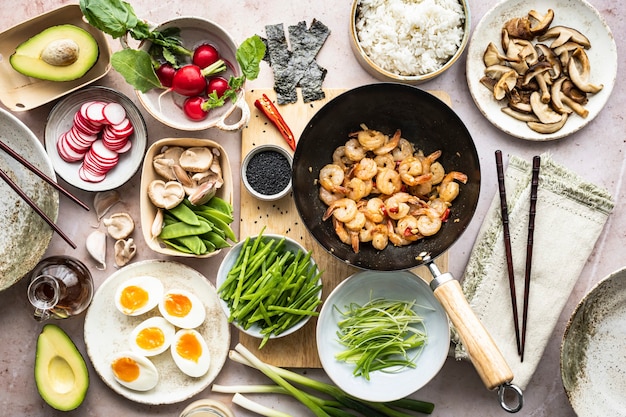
(60, 287)
(206, 408)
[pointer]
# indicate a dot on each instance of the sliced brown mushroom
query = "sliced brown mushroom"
(564, 34)
(492, 56)
(537, 72)
(166, 195)
(196, 159)
(124, 251)
(547, 128)
(163, 167)
(119, 225)
(579, 71)
(514, 57)
(527, 51)
(542, 110)
(496, 71)
(548, 55)
(520, 101)
(522, 116)
(488, 82)
(574, 93)
(504, 85)
(556, 95)
(543, 22)
(519, 27)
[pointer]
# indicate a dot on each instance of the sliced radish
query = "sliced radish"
(102, 152)
(66, 152)
(126, 147)
(114, 113)
(95, 112)
(89, 176)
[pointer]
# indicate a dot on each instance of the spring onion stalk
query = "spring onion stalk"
(366, 408)
(379, 335)
(256, 407)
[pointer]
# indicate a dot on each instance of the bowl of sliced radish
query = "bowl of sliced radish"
(199, 78)
(96, 138)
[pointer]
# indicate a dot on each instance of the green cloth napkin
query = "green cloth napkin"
(570, 215)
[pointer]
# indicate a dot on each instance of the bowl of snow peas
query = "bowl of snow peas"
(269, 286)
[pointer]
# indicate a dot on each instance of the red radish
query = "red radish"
(114, 113)
(126, 147)
(165, 73)
(193, 108)
(217, 84)
(95, 112)
(205, 55)
(189, 81)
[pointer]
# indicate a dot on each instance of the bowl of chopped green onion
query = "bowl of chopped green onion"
(269, 286)
(382, 335)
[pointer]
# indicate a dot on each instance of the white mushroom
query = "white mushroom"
(196, 159)
(125, 250)
(119, 225)
(166, 195)
(164, 168)
(96, 244)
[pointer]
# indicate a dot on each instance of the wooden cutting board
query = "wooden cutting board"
(299, 349)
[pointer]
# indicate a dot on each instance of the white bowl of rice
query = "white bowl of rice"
(409, 41)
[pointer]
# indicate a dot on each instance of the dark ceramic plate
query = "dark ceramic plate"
(424, 120)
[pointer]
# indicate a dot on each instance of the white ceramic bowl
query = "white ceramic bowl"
(267, 172)
(376, 69)
(148, 174)
(361, 288)
(228, 263)
(168, 109)
(60, 120)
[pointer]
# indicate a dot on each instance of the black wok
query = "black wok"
(430, 125)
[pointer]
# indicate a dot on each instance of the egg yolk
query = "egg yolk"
(188, 347)
(177, 305)
(150, 338)
(125, 369)
(133, 297)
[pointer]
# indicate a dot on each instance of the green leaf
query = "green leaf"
(114, 17)
(249, 55)
(136, 68)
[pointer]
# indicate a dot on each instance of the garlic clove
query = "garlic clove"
(103, 201)
(157, 224)
(96, 244)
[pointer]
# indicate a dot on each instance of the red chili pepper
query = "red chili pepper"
(445, 215)
(265, 105)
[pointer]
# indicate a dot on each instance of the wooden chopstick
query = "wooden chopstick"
(507, 246)
(34, 206)
(40, 174)
(529, 246)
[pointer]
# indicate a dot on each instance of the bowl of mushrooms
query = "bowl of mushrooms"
(181, 179)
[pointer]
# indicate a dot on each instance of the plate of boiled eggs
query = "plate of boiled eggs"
(155, 332)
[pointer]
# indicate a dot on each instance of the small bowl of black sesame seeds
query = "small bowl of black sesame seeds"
(266, 172)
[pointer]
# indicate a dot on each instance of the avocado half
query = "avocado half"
(60, 370)
(59, 53)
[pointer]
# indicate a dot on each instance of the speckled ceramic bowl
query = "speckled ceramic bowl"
(593, 369)
(168, 109)
(374, 65)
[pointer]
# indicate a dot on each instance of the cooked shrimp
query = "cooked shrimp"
(365, 169)
(328, 197)
(429, 222)
(411, 171)
(429, 160)
(385, 161)
(448, 189)
(346, 236)
(396, 238)
(397, 206)
(331, 177)
(438, 173)
(440, 206)
(403, 150)
(357, 223)
(343, 210)
(389, 145)
(374, 210)
(366, 234)
(354, 151)
(408, 227)
(371, 139)
(388, 181)
(380, 237)
(355, 189)
(339, 157)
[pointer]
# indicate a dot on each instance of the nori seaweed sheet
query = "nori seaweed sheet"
(297, 67)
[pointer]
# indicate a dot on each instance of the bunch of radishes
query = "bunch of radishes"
(100, 132)
(197, 81)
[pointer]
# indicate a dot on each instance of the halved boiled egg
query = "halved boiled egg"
(152, 336)
(190, 352)
(134, 371)
(138, 295)
(182, 308)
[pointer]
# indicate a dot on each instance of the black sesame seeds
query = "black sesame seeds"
(268, 172)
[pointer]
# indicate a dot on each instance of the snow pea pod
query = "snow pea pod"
(179, 229)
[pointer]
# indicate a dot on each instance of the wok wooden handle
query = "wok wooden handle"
(483, 352)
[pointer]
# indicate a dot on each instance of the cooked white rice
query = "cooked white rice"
(410, 37)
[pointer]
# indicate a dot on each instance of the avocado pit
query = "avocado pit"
(61, 52)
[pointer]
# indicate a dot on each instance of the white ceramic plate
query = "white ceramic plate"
(577, 14)
(360, 288)
(24, 236)
(227, 264)
(60, 120)
(107, 332)
(593, 369)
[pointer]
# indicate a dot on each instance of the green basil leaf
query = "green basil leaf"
(136, 68)
(249, 55)
(114, 17)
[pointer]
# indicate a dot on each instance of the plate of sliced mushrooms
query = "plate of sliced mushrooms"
(541, 70)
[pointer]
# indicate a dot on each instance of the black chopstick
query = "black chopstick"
(40, 174)
(34, 206)
(529, 246)
(507, 246)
